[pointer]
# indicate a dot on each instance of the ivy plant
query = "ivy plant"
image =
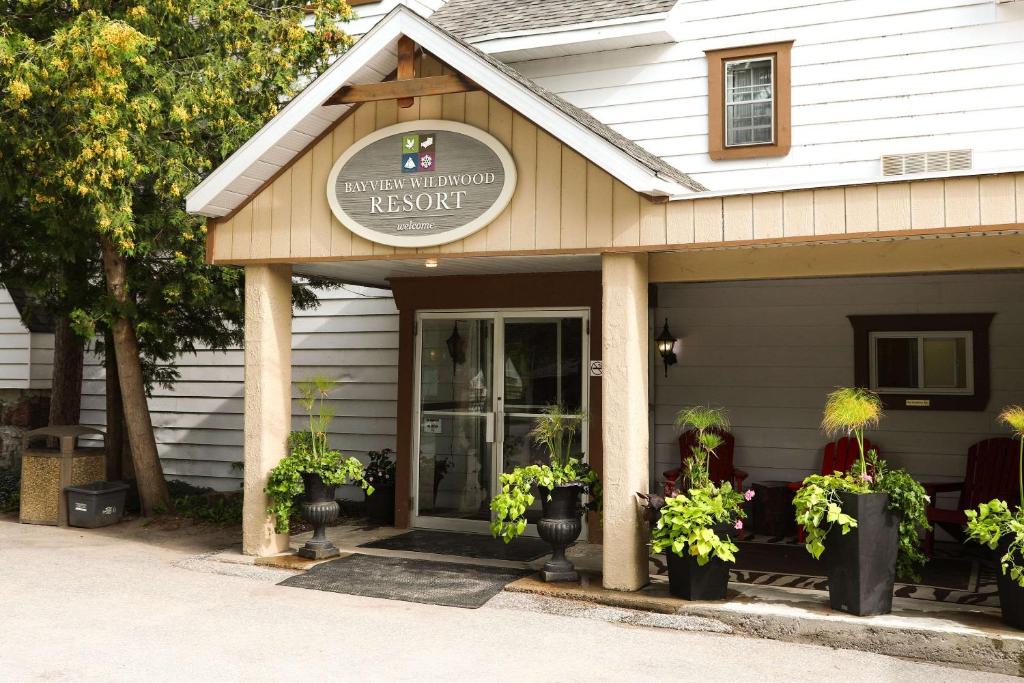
(851, 411)
(309, 453)
(995, 522)
(691, 523)
(554, 430)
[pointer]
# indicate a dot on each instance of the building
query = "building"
(805, 196)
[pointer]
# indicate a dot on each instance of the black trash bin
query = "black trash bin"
(97, 504)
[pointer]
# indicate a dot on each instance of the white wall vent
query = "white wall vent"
(926, 162)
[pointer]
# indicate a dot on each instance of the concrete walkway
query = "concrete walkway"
(129, 604)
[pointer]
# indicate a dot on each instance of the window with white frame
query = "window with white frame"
(749, 101)
(922, 362)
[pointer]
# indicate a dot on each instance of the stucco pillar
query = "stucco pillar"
(624, 424)
(268, 370)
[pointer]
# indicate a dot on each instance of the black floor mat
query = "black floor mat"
(396, 578)
(522, 549)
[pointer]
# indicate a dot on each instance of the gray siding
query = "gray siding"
(769, 351)
(351, 337)
(15, 346)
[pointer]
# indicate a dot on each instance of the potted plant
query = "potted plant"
(695, 527)
(560, 484)
(380, 474)
(314, 468)
(995, 525)
(870, 518)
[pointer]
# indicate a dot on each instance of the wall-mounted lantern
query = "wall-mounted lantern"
(456, 346)
(665, 342)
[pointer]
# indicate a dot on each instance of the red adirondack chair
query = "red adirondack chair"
(992, 472)
(839, 457)
(721, 467)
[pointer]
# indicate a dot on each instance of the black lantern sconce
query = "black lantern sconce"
(665, 342)
(456, 346)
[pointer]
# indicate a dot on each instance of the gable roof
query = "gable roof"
(477, 18)
(373, 57)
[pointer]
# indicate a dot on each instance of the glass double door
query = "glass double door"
(482, 378)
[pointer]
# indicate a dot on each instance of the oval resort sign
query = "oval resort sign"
(421, 183)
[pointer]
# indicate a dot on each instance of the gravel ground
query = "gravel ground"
(147, 604)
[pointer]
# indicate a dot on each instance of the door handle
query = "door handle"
(489, 427)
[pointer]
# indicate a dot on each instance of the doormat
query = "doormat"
(477, 546)
(947, 577)
(396, 578)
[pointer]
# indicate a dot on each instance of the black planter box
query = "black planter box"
(689, 581)
(100, 503)
(380, 505)
(1011, 596)
(861, 565)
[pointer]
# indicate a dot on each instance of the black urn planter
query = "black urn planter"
(319, 508)
(861, 565)
(380, 505)
(560, 525)
(689, 581)
(1011, 596)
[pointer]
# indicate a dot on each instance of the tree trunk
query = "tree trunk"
(148, 474)
(115, 437)
(66, 394)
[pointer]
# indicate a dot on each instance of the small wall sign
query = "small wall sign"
(421, 183)
(596, 368)
(431, 425)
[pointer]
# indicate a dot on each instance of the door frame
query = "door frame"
(498, 317)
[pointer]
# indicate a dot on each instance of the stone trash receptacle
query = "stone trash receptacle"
(46, 471)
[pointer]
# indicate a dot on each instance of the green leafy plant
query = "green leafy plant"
(380, 472)
(555, 430)
(708, 423)
(309, 453)
(696, 522)
(994, 521)
(851, 411)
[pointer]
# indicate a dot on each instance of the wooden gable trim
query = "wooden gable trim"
(401, 90)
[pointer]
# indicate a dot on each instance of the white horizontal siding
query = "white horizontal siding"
(15, 346)
(870, 77)
(41, 357)
(770, 351)
(352, 337)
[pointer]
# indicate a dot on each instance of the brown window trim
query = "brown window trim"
(716, 101)
(977, 323)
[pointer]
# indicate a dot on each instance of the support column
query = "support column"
(268, 370)
(624, 420)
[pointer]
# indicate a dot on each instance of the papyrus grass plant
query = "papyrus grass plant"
(310, 453)
(994, 521)
(850, 411)
(695, 522)
(555, 430)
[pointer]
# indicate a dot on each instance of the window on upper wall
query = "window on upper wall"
(924, 361)
(749, 101)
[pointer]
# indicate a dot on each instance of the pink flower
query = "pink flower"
(867, 477)
(739, 523)
(748, 494)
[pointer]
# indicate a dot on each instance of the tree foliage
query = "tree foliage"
(109, 113)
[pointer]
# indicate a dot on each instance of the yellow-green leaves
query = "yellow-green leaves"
(697, 523)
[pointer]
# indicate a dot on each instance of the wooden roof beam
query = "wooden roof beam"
(401, 90)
